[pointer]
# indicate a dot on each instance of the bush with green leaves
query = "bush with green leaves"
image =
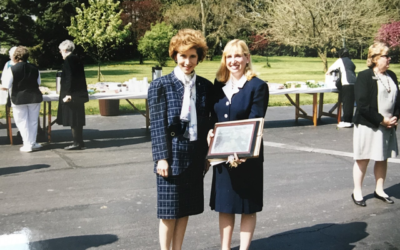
(155, 42)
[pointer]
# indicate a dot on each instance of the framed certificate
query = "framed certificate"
(243, 137)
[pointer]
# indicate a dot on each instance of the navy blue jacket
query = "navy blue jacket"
(250, 102)
(165, 98)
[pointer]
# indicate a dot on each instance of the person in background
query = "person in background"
(180, 106)
(345, 86)
(73, 95)
(23, 80)
(8, 63)
(375, 119)
(237, 187)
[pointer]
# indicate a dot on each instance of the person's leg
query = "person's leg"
(226, 225)
(74, 132)
(247, 226)
(166, 231)
(179, 233)
(380, 170)
(348, 103)
(359, 169)
(33, 113)
(20, 113)
(79, 132)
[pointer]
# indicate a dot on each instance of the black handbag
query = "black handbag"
(338, 82)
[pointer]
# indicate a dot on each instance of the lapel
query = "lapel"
(178, 85)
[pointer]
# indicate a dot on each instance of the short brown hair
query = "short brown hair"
(188, 39)
(240, 46)
(374, 53)
(21, 54)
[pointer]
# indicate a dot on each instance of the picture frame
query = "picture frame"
(243, 137)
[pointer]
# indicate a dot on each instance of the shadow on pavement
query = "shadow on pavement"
(20, 169)
(321, 236)
(74, 242)
(100, 139)
(394, 191)
(300, 123)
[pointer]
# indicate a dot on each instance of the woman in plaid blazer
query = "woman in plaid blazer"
(180, 105)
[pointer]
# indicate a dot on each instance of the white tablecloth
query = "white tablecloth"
(122, 95)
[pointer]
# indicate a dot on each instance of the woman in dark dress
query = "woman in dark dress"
(239, 95)
(180, 106)
(73, 95)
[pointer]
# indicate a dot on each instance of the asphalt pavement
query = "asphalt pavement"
(104, 197)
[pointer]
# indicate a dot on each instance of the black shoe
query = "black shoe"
(358, 203)
(385, 199)
(73, 147)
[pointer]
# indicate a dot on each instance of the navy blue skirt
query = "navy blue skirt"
(238, 190)
(181, 195)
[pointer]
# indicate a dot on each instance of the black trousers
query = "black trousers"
(347, 98)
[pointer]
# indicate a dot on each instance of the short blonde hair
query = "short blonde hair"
(188, 39)
(239, 46)
(21, 54)
(374, 53)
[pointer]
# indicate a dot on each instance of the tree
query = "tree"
(141, 14)
(218, 19)
(98, 29)
(390, 34)
(155, 42)
(259, 44)
(323, 24)
(53, 18)
(16, 24)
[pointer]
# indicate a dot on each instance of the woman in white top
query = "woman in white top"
(346, 85)
(23, 80)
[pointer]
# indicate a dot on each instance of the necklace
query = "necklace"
(387, 80)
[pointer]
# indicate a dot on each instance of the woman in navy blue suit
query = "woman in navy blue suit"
(239, 95)
(180, 106)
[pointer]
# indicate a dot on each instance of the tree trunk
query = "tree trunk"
(98, 71)
(323, 54)
(203, 18)
(141, 58)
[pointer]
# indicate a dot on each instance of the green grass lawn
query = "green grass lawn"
(282, 69)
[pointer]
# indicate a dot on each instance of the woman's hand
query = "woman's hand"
(209, 136)
(162, 168)
(235, 161)
(389, 122)
(67, 98)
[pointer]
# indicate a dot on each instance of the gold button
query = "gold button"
(172, 133)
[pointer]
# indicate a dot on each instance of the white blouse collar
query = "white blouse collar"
(230, 90)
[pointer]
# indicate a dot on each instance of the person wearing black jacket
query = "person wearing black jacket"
(73, 95)
(23, 79)
(378, 108)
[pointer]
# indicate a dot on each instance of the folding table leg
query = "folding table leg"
(8, 121)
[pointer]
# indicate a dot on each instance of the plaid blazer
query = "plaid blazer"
(165, 97)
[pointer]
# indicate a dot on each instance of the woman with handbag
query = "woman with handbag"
(377, 113)
(237, 187)
(73, 95)
(180, 106)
